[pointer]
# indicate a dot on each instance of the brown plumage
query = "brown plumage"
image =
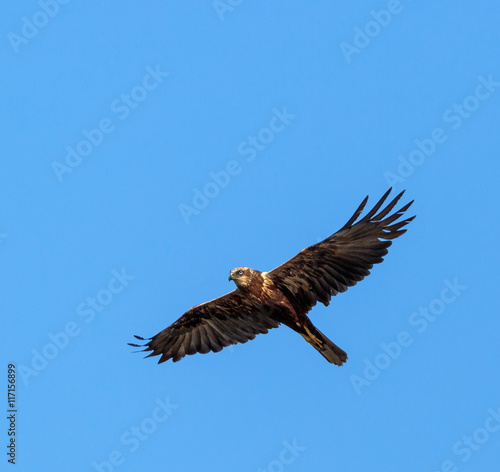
(264, 300)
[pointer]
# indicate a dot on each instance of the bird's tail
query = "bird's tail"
(330, 351)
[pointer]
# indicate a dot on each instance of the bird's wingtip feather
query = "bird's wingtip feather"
(140, 338)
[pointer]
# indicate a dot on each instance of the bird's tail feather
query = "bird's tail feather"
(330, 351)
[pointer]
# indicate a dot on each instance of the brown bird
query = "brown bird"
(264, 300)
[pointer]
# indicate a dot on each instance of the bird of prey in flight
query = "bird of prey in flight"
(284, 295)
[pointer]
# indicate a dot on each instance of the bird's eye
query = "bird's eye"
(240, 272)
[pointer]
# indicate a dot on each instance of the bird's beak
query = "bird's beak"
(230, 276)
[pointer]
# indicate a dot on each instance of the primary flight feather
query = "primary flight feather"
(264, 300)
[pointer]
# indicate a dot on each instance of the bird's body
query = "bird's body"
(264, 300)
(261, 286)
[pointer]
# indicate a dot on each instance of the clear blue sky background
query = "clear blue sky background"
(357, 108)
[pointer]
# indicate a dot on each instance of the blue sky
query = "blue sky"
(148, 150)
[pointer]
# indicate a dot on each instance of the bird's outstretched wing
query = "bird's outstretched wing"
(343, 259)
(226, 320)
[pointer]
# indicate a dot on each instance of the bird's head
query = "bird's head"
(241, 276)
